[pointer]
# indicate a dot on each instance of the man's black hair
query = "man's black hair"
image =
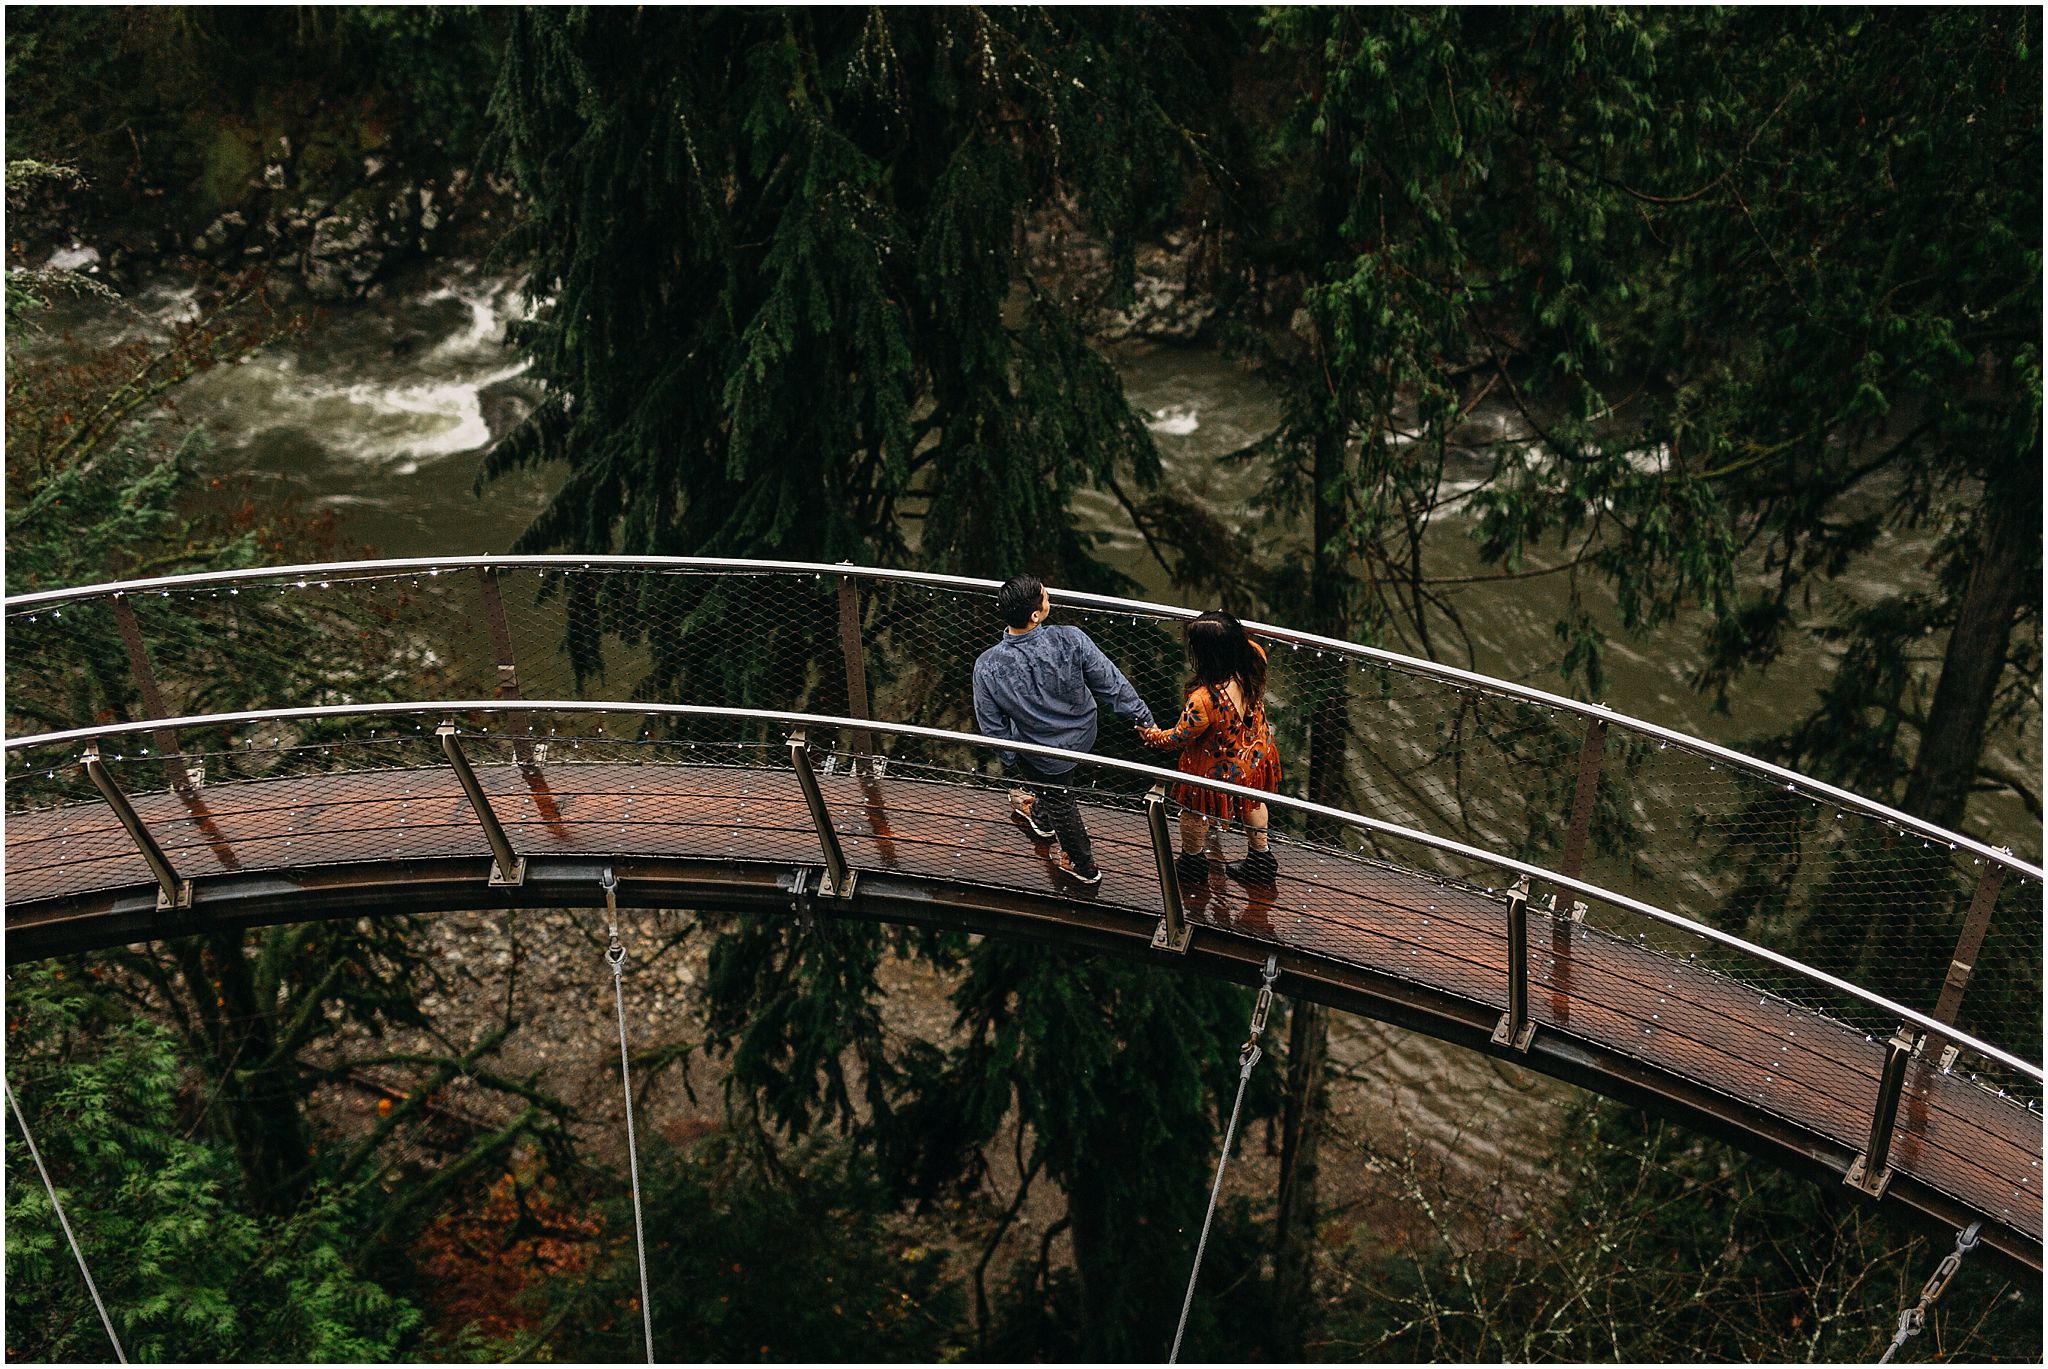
(1018, 599)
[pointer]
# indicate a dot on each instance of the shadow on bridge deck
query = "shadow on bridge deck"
(1611, 1015)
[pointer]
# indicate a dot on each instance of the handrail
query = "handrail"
(1414, 665)
(1930, 1025)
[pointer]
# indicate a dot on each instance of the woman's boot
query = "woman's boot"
(1258, 867)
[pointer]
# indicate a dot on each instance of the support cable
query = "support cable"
(58, 1208)
(615, 956)
(1915, 1317)
(1246, 1059)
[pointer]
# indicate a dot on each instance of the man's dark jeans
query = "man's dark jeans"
(1056, 809)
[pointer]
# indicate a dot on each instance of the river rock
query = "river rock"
(364, 234)
(374, 229)
(73, 258)
(1170, 300)
(222, 232)
(343, 257)
(1166, 306)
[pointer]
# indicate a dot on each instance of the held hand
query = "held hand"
(1151, 736)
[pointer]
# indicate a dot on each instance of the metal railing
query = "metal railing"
(1511, 869)
(1729, 956)
(325, 573)
(1853, 887)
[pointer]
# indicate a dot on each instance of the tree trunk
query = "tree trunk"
(1308, 1035)
(258, 1110)
(1945, 766)
(1294, 1239)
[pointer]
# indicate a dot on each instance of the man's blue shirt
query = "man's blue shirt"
(1040, 686)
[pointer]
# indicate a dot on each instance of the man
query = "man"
(1038, 684)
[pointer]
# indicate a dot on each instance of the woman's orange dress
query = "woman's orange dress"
(1218, 742)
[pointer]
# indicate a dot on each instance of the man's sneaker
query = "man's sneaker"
(1091, 879)
(1025, 815)
(1258, 867)
(1193, 867)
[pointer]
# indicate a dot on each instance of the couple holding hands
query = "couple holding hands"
(1038, 684)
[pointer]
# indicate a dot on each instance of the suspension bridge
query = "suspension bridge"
(1819, 977)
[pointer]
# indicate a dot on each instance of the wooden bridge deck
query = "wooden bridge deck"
(1620, 999)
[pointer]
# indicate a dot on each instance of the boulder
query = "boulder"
(224, 232)
(365, 233)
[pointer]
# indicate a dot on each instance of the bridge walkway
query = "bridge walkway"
(1625, 1015)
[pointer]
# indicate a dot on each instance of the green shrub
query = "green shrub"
(186, 1271)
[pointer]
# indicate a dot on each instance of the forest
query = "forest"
(1761, 288)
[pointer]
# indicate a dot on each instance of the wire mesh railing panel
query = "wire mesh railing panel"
(374, 789)
(1677, 825)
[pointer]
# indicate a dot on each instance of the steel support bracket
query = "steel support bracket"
(1166, 937)
(172, 891)
(1515, 1030)
(802, 901)
(854, 654)
(1173, 932)
(1592, 759)
(1871, 1172)
(837, 879)
(808, 887)
(1969, 943)
(185, 773)
(1857, 1178)
(1506, 1034)
(508, 869)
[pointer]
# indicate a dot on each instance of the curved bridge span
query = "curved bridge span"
(1483, 918)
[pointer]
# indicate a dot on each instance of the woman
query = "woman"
(1222, 735)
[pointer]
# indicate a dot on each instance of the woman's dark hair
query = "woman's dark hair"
(1018, 599)
(1220, 648)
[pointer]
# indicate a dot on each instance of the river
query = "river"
(380, 413)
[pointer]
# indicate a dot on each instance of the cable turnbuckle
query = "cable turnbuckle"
(614, 954)
(1248, 1054)
(1913, 1318)
(1966, 1241)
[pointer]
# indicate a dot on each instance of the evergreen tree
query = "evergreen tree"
(1836, 322)
(188, 1266)
(1758, 290)
(782, 313)
(1413, 223)
(776, 259)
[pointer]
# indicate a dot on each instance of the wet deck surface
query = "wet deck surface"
(1820, 1075)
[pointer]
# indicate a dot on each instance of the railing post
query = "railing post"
(839, 880)
(1975, 923)
(1173, 932)
(506, 868)
(1592, 760)
(851, 648)
(182, 776)
(508, 667)
(172, 892)
(1515, 1030)
(1870, 1173)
